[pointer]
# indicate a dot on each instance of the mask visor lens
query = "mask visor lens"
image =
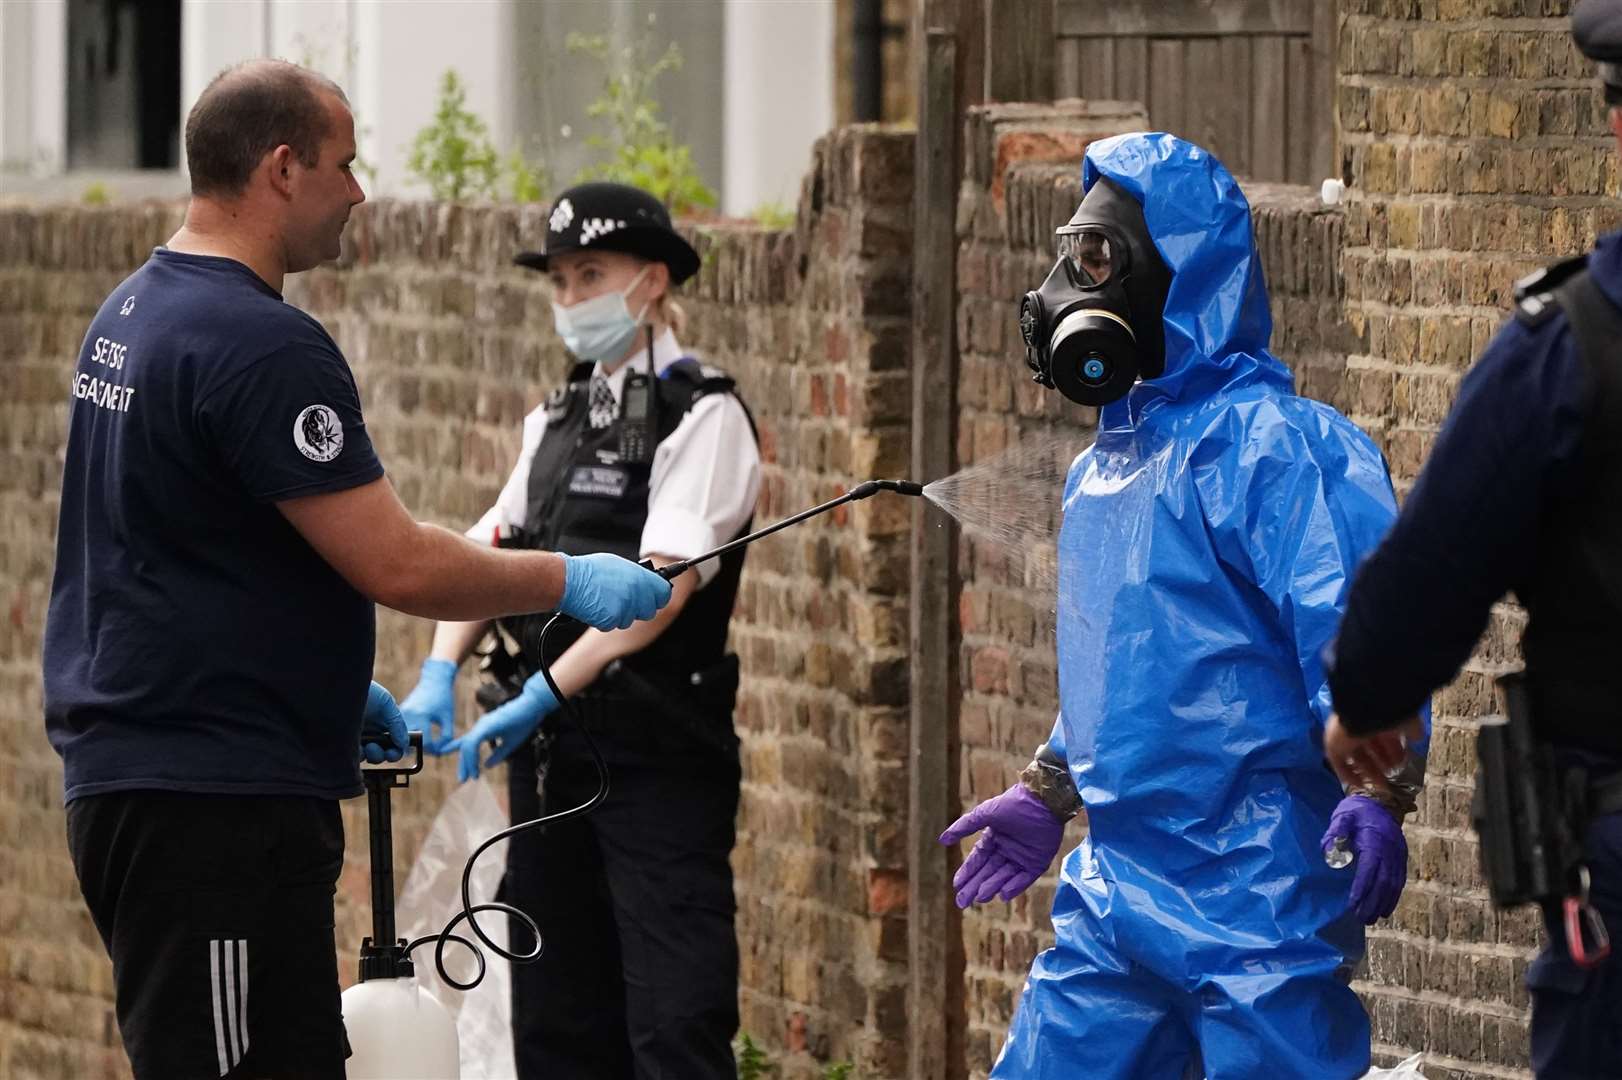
(1089, 253)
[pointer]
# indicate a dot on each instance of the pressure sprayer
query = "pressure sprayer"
(399, 1031)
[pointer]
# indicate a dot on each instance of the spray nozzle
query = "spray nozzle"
(873, 487)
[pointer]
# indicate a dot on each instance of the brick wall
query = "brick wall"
(451, 347)
(1474, 144)
(814, 325)
(55, 984)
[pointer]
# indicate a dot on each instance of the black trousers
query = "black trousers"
(639, 977)
(217, 911)
(1577, 1013)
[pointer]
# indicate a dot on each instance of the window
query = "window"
(123, 68)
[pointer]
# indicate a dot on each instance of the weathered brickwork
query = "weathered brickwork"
(55, 984)
(814, 325)
(1474, 143)
(452, 346)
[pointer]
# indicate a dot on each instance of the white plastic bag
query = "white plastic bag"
(432, 894)
(1404, 1070)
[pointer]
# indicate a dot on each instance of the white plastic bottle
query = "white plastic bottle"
(399, 1031)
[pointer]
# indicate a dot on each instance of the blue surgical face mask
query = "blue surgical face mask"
(602, 328)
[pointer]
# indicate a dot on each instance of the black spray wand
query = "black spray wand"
(860, 491)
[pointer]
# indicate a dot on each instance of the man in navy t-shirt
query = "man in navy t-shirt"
(225, 531)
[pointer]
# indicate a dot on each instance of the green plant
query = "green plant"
(528, 180)
(839, 1070)
(642, 150)
(753, 1064)
(453, 154)
(774, 215)
(96, 194)
(456, 158)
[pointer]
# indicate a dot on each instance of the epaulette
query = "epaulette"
(703, 378)
(706, 380)
(715, 381)
(1534, 294)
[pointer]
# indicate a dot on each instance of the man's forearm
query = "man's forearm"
(443, 575)
(366, 534)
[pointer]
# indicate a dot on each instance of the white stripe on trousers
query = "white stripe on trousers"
(228, 983)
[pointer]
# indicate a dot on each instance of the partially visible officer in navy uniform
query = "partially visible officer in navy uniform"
(1523, 491)
(224, 534)
(650, 454)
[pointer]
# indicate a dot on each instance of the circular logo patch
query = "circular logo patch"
(318, 434)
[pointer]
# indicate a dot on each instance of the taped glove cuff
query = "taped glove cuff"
(1048, 778)
(1406, 784)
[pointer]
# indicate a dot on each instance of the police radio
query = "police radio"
(638, 406)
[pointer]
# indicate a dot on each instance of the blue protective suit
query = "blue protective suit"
(1208, 540)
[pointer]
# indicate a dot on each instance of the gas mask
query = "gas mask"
(1095, 326)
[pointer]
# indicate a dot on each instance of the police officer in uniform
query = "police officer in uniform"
(647, 453)
(1523, 491)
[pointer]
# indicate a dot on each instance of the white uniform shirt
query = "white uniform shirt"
(704, 481)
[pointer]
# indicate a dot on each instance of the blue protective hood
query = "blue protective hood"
(1217, 317)
(1210, 534)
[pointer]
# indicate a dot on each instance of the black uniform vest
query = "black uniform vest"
(588, 492)
(1573, 597)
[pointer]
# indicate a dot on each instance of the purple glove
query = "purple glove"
(1022, 837)
(1379, 852)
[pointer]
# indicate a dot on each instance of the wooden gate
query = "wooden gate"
(1251, 80)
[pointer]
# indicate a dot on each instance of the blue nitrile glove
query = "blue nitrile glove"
(506, 726)
(1021, 838)
(431, 707)
(1380, 854)
(610, 593)
(382, 721)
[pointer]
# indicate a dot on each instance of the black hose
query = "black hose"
(469, 908)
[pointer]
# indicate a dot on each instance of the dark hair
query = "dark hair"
(248, 111)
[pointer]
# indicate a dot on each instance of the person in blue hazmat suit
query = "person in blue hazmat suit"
(1208, 538)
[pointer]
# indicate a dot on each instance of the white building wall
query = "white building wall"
(388, 55)
(779, 99)
(33, 87)
(403, 48)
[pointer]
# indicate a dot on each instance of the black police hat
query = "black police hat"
(1597, 27)
(613, 217)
